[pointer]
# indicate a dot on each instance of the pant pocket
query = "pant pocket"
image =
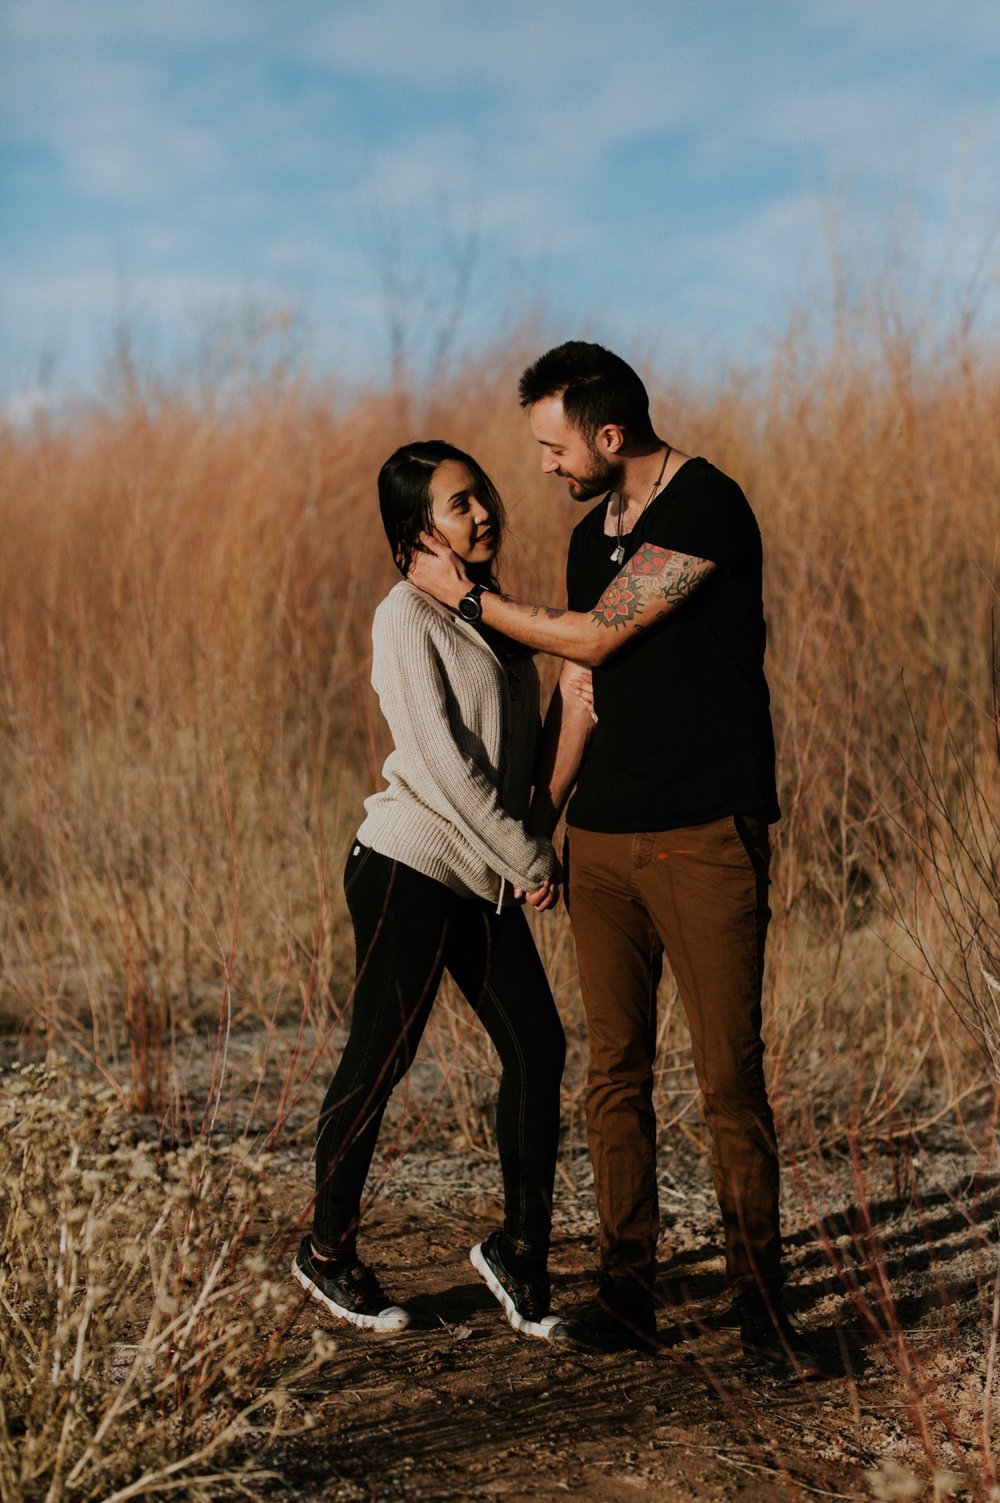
(752, 832)
(356, 860)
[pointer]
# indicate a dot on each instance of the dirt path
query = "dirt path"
(458, 1407)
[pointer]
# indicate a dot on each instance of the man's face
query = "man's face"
(590, 468)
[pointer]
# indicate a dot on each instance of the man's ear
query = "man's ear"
(609, 439)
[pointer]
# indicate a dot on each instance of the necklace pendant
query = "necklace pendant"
(618, 554)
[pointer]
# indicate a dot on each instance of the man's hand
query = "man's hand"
(439, 572)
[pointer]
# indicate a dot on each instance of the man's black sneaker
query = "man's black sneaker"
(621, 1316)
(350, 1293)
(525, 1301)
(768, 1336)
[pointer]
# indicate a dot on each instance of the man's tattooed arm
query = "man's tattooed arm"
(654, 581)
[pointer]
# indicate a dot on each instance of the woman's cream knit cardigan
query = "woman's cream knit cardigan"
(464, 728)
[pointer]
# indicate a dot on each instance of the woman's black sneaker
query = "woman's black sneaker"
(351, 1292)
(524, 1301)
(621, 1316)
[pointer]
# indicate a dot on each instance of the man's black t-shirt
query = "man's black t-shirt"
(683, 731)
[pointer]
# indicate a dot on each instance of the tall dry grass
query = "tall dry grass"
(187, 733)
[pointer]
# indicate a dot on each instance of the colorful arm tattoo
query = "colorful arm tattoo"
(653, 581)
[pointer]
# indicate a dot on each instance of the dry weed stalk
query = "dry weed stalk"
(950, 910)
(142, 1327)
(919, 1305)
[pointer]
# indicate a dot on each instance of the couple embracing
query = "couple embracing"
(660, 730)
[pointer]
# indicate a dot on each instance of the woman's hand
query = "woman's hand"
(543, 898)
(546, 896)
(580, 683)
(439, 572)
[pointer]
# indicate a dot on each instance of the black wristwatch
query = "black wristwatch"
(470, 607)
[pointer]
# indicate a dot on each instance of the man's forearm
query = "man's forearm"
(654, 582)
(566, 634)
(578, 636)
(568, 725)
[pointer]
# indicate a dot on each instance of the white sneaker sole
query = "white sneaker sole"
(392, 1318)
(540, 1328)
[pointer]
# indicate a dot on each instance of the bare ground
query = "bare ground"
(460, 1408)
(892, 1261)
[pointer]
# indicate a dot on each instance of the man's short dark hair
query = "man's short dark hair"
(596, 387)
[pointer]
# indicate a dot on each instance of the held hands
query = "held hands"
(543, 898)
(439, 572)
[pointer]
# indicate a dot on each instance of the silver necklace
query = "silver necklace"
(618, 552)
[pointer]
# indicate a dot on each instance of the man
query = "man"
(667, 832)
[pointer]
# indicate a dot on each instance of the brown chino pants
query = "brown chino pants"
(699, 896)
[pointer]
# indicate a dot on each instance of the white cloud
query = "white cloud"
(113, 125)
(252, 145)
(21, 410)
(968, 26)
(438, 44)
(112, 23)
(770, 248)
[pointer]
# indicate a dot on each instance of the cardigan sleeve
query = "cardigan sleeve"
(408, 677)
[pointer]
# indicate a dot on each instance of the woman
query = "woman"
(432, 883)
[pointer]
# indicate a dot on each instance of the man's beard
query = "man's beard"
(603, 476)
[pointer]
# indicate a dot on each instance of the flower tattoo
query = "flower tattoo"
(617, 605)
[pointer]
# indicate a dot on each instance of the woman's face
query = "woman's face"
(460, 519)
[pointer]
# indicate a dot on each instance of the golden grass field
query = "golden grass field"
(187, 733)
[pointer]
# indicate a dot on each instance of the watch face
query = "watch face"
(470, 606)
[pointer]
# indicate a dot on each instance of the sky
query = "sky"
(380, 181)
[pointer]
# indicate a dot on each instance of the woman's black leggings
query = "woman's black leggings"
(408, 929)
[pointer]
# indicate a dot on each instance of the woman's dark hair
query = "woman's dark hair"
(404, 499)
